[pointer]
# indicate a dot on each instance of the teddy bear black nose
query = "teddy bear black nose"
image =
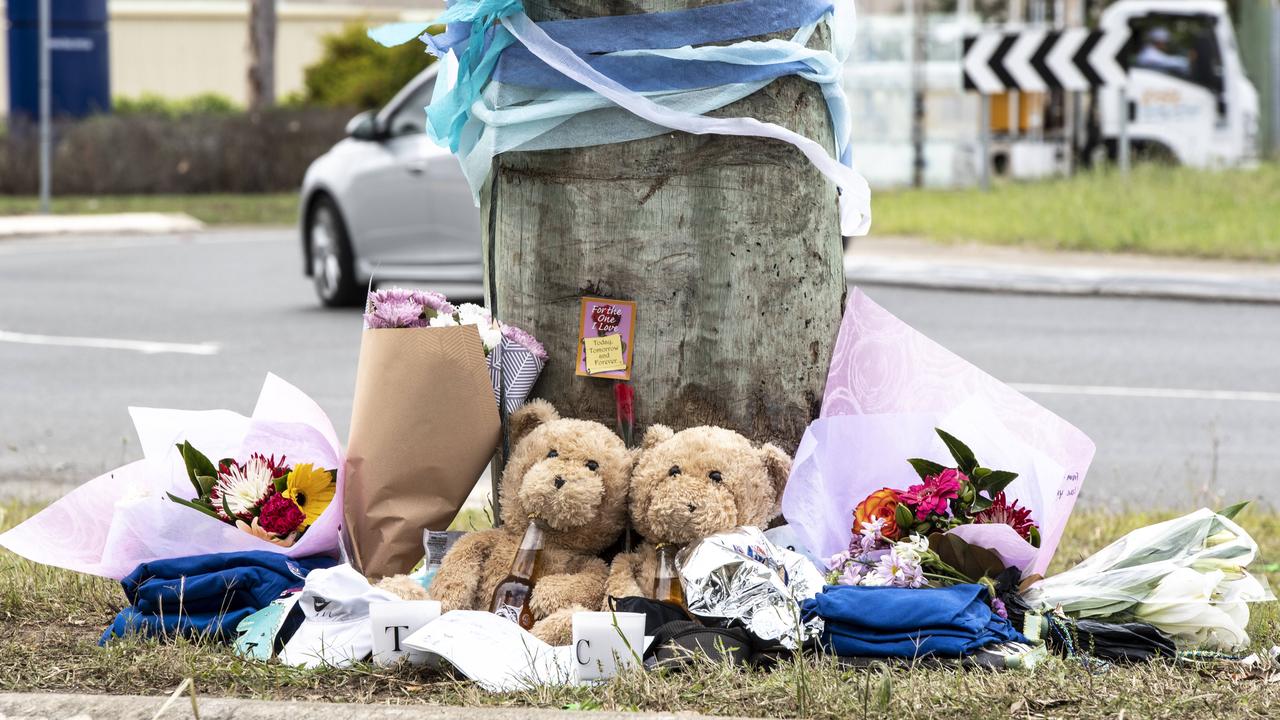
(692, 507)
(559, 482)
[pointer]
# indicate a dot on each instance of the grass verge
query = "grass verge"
(1155, 210)
(52, 619)
(264, 209)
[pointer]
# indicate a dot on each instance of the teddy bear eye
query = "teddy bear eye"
(592, 465)
(716, 476)
(552, 454)
(674, 471)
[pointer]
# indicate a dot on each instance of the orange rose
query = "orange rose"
(879, 504)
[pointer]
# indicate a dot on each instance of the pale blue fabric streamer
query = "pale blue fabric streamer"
(447, 114)
(478, 116)
(393, 34)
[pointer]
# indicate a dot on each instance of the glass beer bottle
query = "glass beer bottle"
(511, 598)
(666, 581)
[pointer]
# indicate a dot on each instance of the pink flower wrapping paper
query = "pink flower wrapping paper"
(888, 386)
(111, 524)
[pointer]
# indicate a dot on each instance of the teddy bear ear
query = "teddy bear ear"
(656, 434)
(530, 415)
(778, 463)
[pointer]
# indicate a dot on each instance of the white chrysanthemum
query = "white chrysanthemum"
(473, 314)
(490, 335)
(442, 321)
(243, 487)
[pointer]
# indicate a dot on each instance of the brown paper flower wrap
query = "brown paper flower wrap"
(423, 427)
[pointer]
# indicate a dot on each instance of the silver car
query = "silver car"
(386, 203)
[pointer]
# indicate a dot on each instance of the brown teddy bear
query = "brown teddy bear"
(691, 484)
(573, 476)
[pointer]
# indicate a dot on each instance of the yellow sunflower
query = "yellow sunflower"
(312, 489)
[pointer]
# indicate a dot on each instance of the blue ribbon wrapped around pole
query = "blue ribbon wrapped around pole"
(515, 84)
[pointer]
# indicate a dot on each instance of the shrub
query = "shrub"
(149, 152)
(151, 104)
(356, 72)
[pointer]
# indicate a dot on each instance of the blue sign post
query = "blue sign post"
(79, 64)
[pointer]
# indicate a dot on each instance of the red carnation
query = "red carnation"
(280, 515)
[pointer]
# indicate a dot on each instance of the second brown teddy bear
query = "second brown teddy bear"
(691, 484)
(572, 475)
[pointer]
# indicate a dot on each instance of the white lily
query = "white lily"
(1188, 576)
(1232, 569)
(1183, 606)
(1220, 538)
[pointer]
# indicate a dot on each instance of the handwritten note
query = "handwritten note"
(604, 354)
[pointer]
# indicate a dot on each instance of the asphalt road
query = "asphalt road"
(1182, 398)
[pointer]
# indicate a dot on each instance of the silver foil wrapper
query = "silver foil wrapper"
(741, 575)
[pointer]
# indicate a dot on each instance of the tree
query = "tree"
(356, 72)
(730, 246)
(262, 54)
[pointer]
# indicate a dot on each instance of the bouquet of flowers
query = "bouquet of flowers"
(1186, 576)
(262, 496)
(425, 420)
(887, 388)
(905, 538)
(136, 513)
(515, 357)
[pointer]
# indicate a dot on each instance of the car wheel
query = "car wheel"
(332, 262)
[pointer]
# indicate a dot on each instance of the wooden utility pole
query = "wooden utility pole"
(730, 246)
(262, 54)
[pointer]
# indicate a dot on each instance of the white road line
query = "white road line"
(146, 347)
(79, 243)
(1157, 393)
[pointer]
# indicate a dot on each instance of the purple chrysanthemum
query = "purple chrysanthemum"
(434, 301)
(524, 339)
(395, 308)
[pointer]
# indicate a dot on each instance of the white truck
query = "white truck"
(1188, 97)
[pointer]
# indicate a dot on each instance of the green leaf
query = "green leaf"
(194, 506)
(979, 473)
(903, 517)
(227, 509)
(965, 461)
(281, 483)
(1035, 536)
(972, 561)
(1230, 513)
(205, 483)
(925, 468)
(996, 481)
(197, 464)
(980, 503)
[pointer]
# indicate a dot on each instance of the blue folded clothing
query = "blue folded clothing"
(885, 622)
(206, 595)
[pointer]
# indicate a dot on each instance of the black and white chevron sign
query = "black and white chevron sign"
(1038, 60)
